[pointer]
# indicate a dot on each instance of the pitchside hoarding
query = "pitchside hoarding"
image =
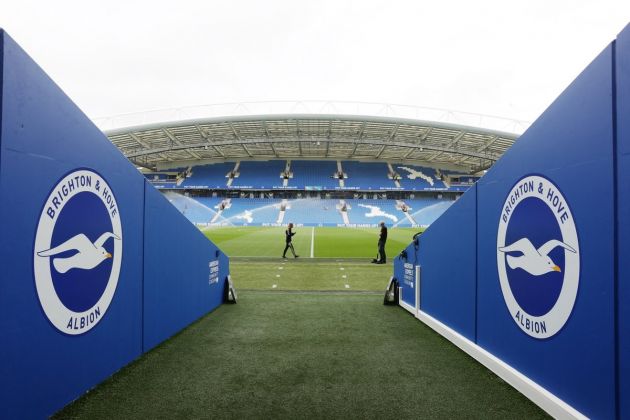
(76, 244)
(551, 287)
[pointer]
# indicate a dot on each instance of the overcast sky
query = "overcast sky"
(506, 58)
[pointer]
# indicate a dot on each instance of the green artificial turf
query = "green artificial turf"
(307, 274)
(317, 345)
(315, 355)
(327, 242)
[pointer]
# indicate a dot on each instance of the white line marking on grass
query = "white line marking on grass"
(312, 242)
(347, 286)
(341, 268)
(274, 286)
(344, 276)
(277, 275)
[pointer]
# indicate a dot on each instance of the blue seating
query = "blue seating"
(367, 176)
(313, 212)
(208, 176)
(251, 211)
(314, 175)
(260, 175)
(418, 178)
(426, 211)
(197, 210)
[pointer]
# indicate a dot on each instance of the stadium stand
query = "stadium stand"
(308, 211)
(367, 176)
(250, 211)
(418, 178)
(371, 212)
(319, 175)
(314, 212)
(260, 175)
(198, 211)
(313, 175)
(208, 176)
(426, 211)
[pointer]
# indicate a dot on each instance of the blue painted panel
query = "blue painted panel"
(571, 145)
(177, 293)
(44, 136)
(449, 266)
(405, 272)
(623, 227)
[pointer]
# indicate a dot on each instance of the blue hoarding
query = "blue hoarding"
(552, 232)
(73, 250)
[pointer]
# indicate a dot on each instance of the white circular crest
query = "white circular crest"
(535, 261)
(79, 255)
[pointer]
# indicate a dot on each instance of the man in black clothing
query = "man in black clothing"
(381, 258)
(288, 235)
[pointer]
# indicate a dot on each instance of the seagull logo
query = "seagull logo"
(538, 256)
(535, 261)
(376, 211)
(87, 256)
(78, 251)
(413, 174)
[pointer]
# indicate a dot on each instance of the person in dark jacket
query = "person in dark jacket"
(381, 258)
(288, 234)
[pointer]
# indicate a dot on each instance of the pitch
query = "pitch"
(333, 259)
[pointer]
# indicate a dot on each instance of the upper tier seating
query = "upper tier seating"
(209, 176)
(318, 175)
(260, 175)
(367, 176)
(314, 174)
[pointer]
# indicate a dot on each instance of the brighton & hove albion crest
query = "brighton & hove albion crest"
(538, 256)
(78, 251)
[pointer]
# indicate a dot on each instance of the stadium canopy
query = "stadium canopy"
(312, 136)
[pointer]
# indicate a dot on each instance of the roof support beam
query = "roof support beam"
(246, 150)
(207, 139)
(453, 142)
(411, 151)
(376, 143)
(174, 139)
(488, 144)
(391, 138)
(235, 133)
(380, 152)
(146, 145)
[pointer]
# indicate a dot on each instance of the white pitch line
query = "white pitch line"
(312, 241)
(277, 275)
(274, 286)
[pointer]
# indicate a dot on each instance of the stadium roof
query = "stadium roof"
(165, 145)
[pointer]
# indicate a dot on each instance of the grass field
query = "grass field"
(326, 242)
(287, 355)
(309, 338)
(341, 257)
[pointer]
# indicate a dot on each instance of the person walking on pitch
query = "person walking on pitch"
(381, 258)
(288, 239)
